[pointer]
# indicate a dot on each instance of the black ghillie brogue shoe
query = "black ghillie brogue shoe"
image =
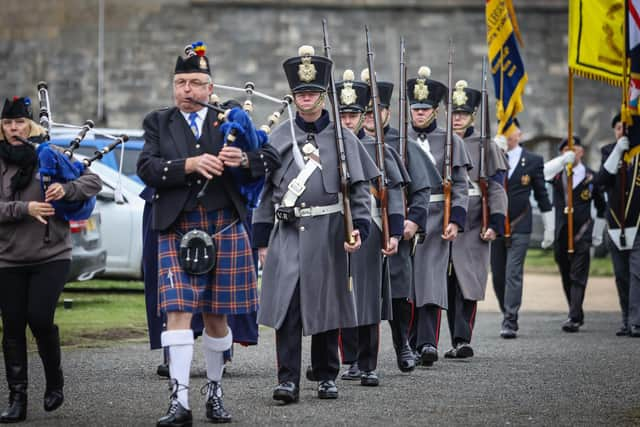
(215, 409)
(177, 415)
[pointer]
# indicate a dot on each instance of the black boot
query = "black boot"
(215, 409)
(400, 334)
(15, 362)
(49, 349)
(177, 415)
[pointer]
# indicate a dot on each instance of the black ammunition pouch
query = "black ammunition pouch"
(286, 214)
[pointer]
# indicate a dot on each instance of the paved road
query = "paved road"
(545, 377)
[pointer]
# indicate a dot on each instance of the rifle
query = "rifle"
(403, 122)
(402, 98)
(484, 140)
(448, 148)
(377, 119)
(343, 170)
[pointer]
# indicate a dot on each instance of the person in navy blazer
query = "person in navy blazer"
(525, 175)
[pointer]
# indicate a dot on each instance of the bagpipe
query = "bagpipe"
(58, 166)
(239, 131)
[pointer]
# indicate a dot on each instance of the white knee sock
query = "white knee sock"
(180, 343)
(213, 353)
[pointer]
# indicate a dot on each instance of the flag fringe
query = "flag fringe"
(594, 76)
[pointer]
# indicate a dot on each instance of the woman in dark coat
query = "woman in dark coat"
(33, 269)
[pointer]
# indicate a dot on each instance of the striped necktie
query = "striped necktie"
(194, 125)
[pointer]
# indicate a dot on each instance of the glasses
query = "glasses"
(198, 84)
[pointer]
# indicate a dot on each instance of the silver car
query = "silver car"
(121, 211)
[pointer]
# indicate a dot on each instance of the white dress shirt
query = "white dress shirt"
(514, 158)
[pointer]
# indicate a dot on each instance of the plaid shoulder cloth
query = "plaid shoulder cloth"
(230, 288)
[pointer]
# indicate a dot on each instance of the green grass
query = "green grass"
(106, 285)
(541, 261)
(100, 317)
(96, 319)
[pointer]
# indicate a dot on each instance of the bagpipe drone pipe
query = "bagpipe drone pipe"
(59, 166)
(239, 131)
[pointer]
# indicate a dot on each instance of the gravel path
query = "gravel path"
(545, 377)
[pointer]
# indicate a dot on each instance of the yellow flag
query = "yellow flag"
(596, 39)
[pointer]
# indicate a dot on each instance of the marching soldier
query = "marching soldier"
(299, 229)
(470, 252)
(574, 268)
(432, 257)
(423, 176)
(507, 253)
(617, 175)
(369, 265)
(199, 236)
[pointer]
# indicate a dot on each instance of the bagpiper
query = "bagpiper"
(618, 175)
(432, 257)
(204, 253)
(470, 252)
(299, 228)
(574, 267)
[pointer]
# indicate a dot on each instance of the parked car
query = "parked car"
(121, 222)
(88, 256)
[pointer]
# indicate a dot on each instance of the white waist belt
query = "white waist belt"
(318, 210)
(436, 198)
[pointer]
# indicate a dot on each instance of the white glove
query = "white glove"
(611, 164)
(555, 165)
(501, 142)
(569, 157)
(548, 222)
(622, 144)
(598, 230)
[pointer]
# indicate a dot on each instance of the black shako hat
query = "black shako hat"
(464, 99)
(565, 142)
(195, 60)
(307, 72)
(385, 90)
(17, 108)
(424, 92)
(353, 95)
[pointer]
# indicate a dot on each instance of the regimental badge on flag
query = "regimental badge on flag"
(507, 68)
(596, 39)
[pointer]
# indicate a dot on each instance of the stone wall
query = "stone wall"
(57, 41)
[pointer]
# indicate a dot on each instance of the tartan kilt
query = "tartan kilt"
(230, 288)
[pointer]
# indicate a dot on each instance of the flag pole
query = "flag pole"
(501, 109)
(624, 113)
(569, 208)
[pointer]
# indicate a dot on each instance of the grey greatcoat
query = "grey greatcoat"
(371, 283)
(309, 252)
(470, 254)
(432, 256)
(424, 177)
